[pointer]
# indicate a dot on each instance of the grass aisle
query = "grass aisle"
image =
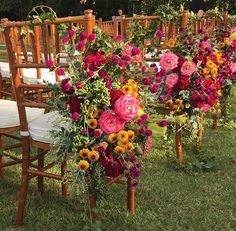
(167, 199)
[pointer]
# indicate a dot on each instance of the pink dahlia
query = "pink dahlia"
(109, 122)
(171, 80)
(126, 107)
(169, 61)
(188, 68)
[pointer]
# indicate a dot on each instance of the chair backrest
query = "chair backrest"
(44, 44)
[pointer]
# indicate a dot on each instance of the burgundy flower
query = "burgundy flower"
(115, 95)
(148, 132)
(92, 37)
(60, 71)
(83, 35)
(75, 116)
(182, 83)
(71, 33)
(159, 33)
(66, 87)
(74, 104)
(163, 123)
(135, 51)
(50, 63)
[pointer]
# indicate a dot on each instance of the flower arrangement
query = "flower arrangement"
(189, 77)
(102, 103)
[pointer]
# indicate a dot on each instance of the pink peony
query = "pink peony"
(232, 67)
(188, 68)
(109, 122)
(171, 80)
(126, 107)
(169, 61)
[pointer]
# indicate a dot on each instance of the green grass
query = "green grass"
(167, 199)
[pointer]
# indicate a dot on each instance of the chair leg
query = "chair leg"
(130, 197)
(1, 157)
(24, 182)
(63, 172)
(40, 178)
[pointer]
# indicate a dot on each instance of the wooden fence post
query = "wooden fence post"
(178, 142)
(116, 27)
(89, 21)
(123, 25)
(184, 21)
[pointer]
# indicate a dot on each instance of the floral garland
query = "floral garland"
(102, 103)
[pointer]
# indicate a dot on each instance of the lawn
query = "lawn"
(167, 199)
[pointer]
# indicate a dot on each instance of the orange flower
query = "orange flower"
(92, 123)
(84, 153)
(83, 165)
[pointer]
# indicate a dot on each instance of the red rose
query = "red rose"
(182, 84)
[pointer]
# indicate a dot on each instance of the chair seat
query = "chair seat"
(9, 116)
(40, 128)
(29, 75)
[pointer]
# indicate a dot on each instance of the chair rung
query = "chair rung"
(8, 147)
(12, 136)
(10, 163)
(45, 174)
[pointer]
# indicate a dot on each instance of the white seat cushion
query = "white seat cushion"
(29, 74)
(9, 116)
(40, 128)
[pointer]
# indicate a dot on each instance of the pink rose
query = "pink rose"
(232, 67)
(169, 61)
(109, 122)
(205, 44)
(188, 68)
(171, 80)
(126, 107)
